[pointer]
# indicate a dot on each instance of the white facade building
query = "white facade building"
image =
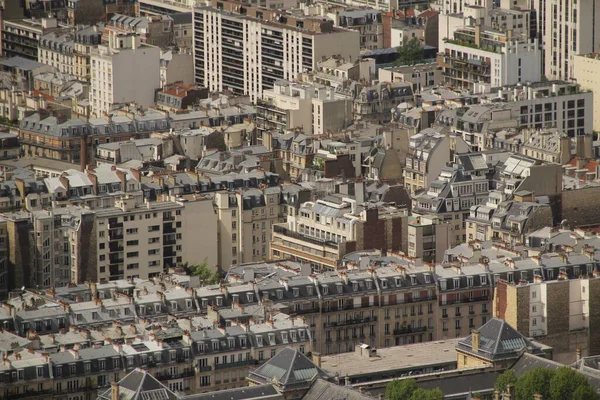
(246, 49)
(123, 71)
(567, 28)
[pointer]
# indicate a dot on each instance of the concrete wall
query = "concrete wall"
(580, 207)
(587, 72)
(136, 75)
(199, 233)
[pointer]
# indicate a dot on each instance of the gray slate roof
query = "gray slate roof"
(263, 392)
(289, 367)
(498, 340)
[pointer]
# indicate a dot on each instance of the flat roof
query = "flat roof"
(395, 358)
(38, 162)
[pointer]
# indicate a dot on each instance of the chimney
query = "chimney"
(123, 179)
(475, 340)
(510, 392)
(316, 358)
(114, 391)
(83, 152)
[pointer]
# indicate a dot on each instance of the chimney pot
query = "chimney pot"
(114, 391)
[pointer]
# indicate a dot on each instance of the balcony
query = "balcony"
(480, 298)
(205, 368)
(233, 365)
(295, 235)
(349, 322)
(165, 376)
(408, 329)
(26, 395)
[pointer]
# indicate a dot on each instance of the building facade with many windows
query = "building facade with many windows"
(246, 49)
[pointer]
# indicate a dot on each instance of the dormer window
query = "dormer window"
(272, 339)
(280, 294)
(369, 285)
(284, 337)
(219, 301)
(204, 303)
(215, 345)
(456, 283)
(250, 297)
(398, 282)
(384, 283)
(296, 291)
(483, 280)
(325, 290)
(309, 290)
(427, 278)
(354, 286)
(231, 343)
(413, 280)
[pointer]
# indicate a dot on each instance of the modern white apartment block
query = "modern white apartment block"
(138, 241)
(479, 55)
(586, 69)
(123, 71)
(313, 107)
(567, 28)
(247, 49)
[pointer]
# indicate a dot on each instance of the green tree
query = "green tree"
(410, 53)
(565, 383)
(400, 389)
(407, 389)
(586, 392)
(535, 381)
(506, 378)
(202, 271)
(423, 394)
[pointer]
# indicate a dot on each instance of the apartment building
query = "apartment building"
(287, 46)
(457, 189)
(314, 108)
(56, 50)
(428, 153)
(123, 71)
(539, 105)
(60, 138)
(375, 103)
(507, 220)
(140, 242)
(464, 298)
(322, 232)
(367, 22)
(566, 30)
(85, 40)
(21, 37)
(585, 70)
(556, 305)
(420, 76)
(155, 30)
(429, 237)
(477, 56)
(156, 7)
(547, 145)
(246, 219)
(49, 248)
